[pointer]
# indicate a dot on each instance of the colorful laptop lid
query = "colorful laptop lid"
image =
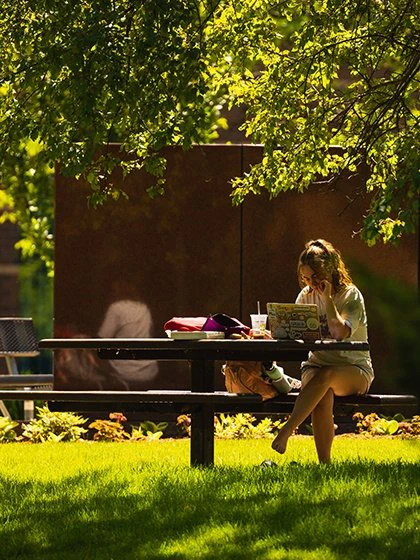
(294, 321)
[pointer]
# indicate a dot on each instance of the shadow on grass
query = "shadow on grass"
(345, 511)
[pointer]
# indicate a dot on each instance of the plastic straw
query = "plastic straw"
(258, 308)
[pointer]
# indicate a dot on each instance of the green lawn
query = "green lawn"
(143, 501)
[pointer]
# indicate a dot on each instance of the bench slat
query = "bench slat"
(187, 397)
(193, 397)
(36, 380)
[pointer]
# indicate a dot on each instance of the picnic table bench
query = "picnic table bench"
(202, 401)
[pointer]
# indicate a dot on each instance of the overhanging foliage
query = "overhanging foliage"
(78, 74)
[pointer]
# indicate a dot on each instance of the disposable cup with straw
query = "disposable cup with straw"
(258, 321)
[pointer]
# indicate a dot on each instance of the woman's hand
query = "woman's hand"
(324, 289)
(336, 325)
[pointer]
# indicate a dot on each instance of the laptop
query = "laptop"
(294, 321)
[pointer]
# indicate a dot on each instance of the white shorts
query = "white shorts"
(367, 376)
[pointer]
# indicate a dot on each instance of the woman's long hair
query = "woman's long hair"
(322, 257)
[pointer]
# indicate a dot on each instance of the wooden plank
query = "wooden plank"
(202, 345)
(187, 397)
(21, 380)
(227, 349)
(196, 397)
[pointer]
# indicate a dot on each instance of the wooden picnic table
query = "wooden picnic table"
(201, 354)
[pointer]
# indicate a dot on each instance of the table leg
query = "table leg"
(202, 436)
(202, 419)
(202, 375)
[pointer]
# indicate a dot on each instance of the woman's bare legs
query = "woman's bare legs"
(323, 426)
(338, 380)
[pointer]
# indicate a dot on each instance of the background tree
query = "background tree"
(26, 198)
(77, 74)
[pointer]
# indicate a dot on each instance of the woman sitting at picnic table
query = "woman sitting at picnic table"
(326, 282)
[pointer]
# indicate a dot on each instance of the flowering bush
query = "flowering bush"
(410, 428)
(376, 425)
(183, 423)
(110, 430)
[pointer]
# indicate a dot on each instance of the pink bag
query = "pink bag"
(185, 324)
(216, 322)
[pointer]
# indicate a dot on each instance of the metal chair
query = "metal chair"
(18, 340)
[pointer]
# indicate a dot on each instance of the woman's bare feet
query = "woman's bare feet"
(280, 441)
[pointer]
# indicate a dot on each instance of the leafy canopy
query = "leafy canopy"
(329, 72)
(78, 74)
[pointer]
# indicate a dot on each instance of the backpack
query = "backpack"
(247, 377)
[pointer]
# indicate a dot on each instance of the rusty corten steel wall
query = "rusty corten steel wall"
(190, 253)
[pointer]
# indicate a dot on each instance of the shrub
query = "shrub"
(242, 426)
(110, 430)
(54, 426)
(410, 428)
(239, 426)
(7, 430)
(183, 423)
(376, 425)
(148, 431)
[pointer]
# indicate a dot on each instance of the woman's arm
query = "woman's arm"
(338, 328)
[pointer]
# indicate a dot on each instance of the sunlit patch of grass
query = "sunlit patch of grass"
(142, 501)
(302, 450)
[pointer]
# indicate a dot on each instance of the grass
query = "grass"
(142, 501)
